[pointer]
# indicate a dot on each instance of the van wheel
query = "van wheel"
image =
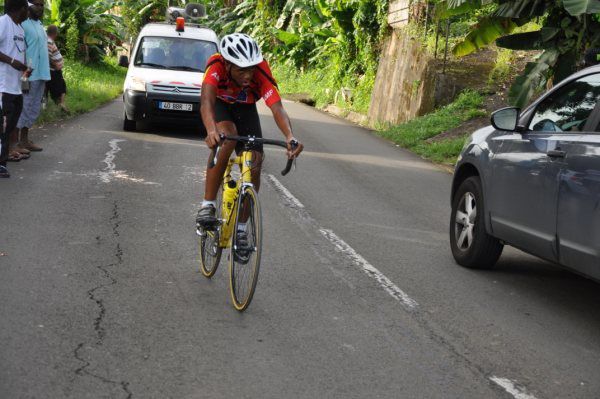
(128, 125)
(471, 245)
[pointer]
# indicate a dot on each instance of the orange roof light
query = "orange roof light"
(180, 24)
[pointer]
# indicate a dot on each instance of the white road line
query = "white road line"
(280, 188)
(109, 171)
(370, 270)
(511, 387)
(345, 249)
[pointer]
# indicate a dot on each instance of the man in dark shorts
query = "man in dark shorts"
(56, 87)
(12, 69)
(234, 80)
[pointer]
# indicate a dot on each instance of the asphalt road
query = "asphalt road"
(100, 294)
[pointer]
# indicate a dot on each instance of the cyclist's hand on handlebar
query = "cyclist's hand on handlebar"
(294, 148)
(212, 139)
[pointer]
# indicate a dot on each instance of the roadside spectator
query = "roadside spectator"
(12, 68)
(56, 87)
(37, 59)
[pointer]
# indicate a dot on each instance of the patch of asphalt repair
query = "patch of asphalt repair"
(98, 327)
(310, 227)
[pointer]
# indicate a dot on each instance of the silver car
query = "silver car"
(532, 180)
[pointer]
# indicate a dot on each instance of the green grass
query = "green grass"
(88, 87)
(321, 85)
(413, 135)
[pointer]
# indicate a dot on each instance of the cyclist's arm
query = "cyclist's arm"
(207, 110)
(285, 125)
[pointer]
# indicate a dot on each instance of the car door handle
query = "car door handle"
(556, 154)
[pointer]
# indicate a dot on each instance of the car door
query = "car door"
(526, 169)
(579, 199)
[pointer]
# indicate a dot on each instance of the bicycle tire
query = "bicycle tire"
(243, 273)
(210, 250)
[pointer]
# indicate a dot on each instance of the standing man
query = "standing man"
(37, 57)
(12, 67)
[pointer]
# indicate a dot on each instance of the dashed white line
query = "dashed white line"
(369, 269)
(512, 388)
(347, 250)
(280, 188)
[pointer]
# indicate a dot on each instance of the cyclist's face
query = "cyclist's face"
(242, 76)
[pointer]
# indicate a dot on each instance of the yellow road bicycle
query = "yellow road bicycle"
(237, 202)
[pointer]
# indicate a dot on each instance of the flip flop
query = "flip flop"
(14, 157)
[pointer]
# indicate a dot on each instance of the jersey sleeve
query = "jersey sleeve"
(214, 71)
(267, 84)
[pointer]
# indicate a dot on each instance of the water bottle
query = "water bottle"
(25, 84)
(229, 192)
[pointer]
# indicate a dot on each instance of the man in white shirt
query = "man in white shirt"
(12, 68)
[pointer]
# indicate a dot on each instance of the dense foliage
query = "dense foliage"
(90, 28)
(568, 29)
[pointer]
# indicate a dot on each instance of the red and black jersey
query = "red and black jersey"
(263, 84)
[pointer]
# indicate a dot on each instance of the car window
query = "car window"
(174, 53)
(568, 108)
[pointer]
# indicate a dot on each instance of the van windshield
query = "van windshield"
(174, 53)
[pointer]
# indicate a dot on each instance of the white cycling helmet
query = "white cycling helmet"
(241, 50)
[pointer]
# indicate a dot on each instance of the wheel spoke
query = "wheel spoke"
(468, 203)
(473, 215)
(469, 231)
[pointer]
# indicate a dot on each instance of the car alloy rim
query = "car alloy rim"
(465, 221)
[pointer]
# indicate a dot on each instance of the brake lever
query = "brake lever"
(291, 161)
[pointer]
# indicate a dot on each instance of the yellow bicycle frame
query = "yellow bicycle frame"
(244, 162)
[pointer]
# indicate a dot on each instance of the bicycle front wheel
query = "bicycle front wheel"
(210, 248)
(244, 261)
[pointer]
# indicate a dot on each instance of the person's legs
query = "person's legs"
(247, 123)
(31, 112)
(12, 106)
(214, 176)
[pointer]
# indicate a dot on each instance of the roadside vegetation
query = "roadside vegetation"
(415, 135)
(89, 86)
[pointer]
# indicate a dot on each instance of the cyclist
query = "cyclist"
(234, 80)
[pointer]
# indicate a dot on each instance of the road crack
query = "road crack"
(94, 296)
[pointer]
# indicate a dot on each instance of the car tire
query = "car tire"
(128, 124)
(471, 245)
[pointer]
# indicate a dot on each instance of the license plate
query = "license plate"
(175, 106)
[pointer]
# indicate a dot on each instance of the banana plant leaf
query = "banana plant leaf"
(578, 7)
(522, 8)
(486, 31)
(288, 38)
(537, 40)
(533, 79)
(444, 9)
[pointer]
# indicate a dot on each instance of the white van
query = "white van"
(165, 73)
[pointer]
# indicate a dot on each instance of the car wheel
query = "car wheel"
(128, 124)
(471, 245)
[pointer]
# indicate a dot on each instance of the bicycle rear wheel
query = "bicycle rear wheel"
(244, 261)
(210, 249)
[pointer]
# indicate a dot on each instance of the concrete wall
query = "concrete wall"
(405, 85)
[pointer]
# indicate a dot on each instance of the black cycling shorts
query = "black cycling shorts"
(244, 116)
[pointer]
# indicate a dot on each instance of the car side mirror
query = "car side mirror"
(124, 61)
(506, 119)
